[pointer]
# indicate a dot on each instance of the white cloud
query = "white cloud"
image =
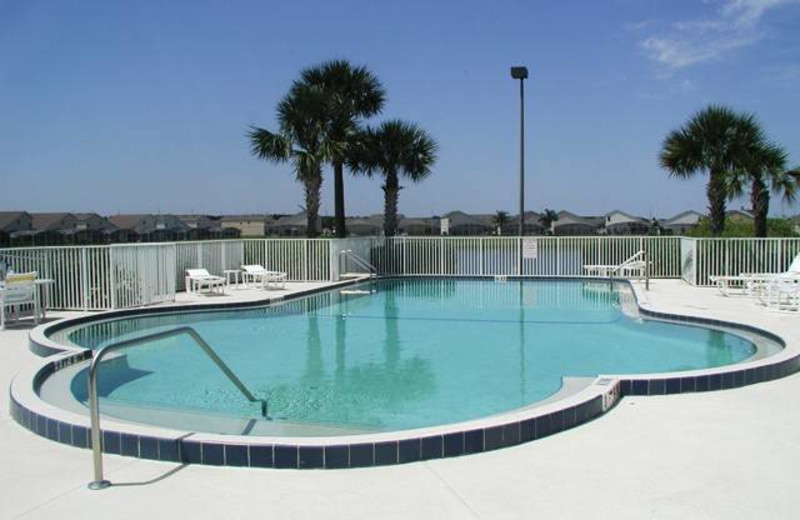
(734, 24)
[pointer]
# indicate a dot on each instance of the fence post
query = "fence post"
(112, 277)
(84, 279)
(480, 263)
(558, 256)
(305, 259)
(441, 256)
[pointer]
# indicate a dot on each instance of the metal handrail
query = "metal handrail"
(348, 253)
(94, 404)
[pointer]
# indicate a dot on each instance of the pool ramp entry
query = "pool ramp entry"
(94, 404)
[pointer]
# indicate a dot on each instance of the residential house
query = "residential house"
(13, 222)
(621, 223)
(290, 226)
(247, 225)
(366, 226)
(419, 226)
(533, 225)
(91, 228)
(152, 228)
(458, 223)
(681, 223)
(205, 227)
(53, 229)
(569, 224)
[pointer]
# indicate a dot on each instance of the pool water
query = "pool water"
(400, 354)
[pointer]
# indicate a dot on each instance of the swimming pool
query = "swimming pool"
(390, 355)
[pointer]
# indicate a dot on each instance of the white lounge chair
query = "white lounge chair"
(257, 273)
(783, 293)
(633, 267)
(754, 283)
(18, 290)
(197, 279)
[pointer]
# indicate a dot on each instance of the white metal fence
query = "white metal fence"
(541, 256)
(130, 275)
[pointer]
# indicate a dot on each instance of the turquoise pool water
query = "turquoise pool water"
(413, 353)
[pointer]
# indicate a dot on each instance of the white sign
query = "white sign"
(445, 226)
(530, 249)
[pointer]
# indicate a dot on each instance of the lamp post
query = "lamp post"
(521, 73)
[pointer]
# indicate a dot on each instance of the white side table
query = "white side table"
(234, 274)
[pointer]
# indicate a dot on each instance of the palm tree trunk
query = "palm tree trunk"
(716, 201)
(338, 202)
(313, 187)
(391, 190)
(759, 199)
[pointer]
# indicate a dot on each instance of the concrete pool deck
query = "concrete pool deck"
(729, 454)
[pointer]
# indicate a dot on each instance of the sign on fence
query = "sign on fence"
(530, 248)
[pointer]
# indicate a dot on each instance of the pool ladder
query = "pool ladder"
(94, 405)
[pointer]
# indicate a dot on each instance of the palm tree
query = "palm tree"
(395, 148)
(546, 219)
(354, 93)
(715, 140)
(765, 171)
(499, 220)
(302, 139)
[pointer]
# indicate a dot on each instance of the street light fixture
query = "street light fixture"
(521, 73)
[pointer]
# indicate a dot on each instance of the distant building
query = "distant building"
(290, 226)
(366, 226)
(621, 223)
(681, 223)
(570, 224)
(462, 224)
(533, 225)
(152, 228)
(248, 225)
(91, 228)
(419, 226)
(736, 215)
(13, 222)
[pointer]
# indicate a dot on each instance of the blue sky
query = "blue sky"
(143, 106)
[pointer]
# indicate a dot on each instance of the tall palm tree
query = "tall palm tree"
(354, 93)
(499, 220)
(765, 171)
(715, 140)
(396, 148)
(546, 219)
(301, 139)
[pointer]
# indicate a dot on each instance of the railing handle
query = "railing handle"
(94, 405)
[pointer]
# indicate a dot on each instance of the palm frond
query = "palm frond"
(268, 145)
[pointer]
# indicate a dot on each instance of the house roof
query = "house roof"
(681, 215)
(299, 220)
(127, 221)
(459, 218)
(7, 217)
(236, 218)
(566, 218)
(628, 215)
(45, 221)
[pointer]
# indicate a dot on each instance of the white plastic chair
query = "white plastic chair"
(197, 279)
(18, 290)
(257, 273)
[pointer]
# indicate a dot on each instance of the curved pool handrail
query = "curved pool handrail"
(94, 404)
